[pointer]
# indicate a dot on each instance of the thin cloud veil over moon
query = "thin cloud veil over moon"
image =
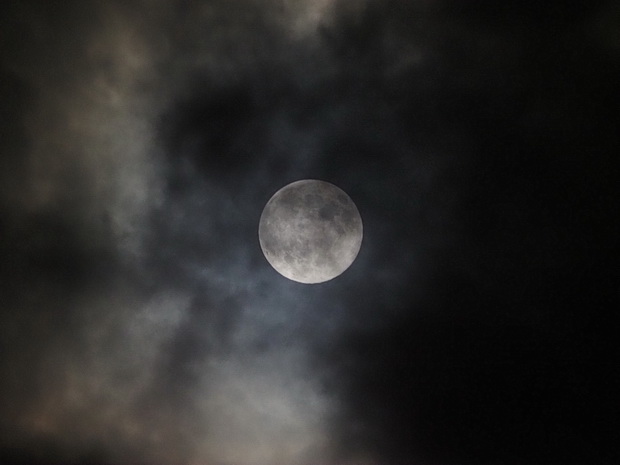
(310, 231)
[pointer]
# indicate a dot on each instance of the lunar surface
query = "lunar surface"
(310, 231)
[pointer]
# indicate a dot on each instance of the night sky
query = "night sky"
(139, 320)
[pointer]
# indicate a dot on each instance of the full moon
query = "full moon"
(310, 231)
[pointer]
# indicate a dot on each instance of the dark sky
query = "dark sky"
(139, 320)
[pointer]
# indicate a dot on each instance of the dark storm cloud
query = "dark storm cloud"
(140, 321)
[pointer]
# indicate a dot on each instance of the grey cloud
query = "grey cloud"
(139, 320)
(157, 133)
(148, 195)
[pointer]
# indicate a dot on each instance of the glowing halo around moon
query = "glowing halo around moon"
(310, 231)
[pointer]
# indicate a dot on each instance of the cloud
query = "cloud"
(140, 321)
(154, 138)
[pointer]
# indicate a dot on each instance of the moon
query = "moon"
(310, 231)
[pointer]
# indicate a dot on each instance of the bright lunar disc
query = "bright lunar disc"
(310, 231)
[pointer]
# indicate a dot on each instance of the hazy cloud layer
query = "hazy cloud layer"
(140, 141)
